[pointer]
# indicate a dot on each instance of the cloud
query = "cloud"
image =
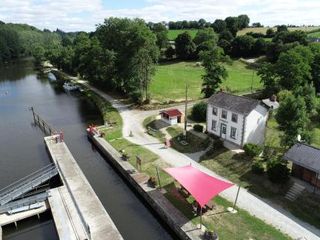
(74, 15)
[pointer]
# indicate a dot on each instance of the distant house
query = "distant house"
(305, 162)
(237, 119)
(172, 116)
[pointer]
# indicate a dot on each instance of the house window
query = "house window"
(233, 133)
(224, 114)
(234, 117)
(214, 111)
(214, 125)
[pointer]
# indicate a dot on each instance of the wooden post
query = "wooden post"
(200, 217)
(158, 177)
(185, 111)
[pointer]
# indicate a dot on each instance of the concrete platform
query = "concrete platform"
(94, 217)
(6, 219)
(65, 215)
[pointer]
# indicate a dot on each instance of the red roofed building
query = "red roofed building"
(172, 116)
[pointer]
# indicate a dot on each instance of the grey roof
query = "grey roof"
(304, 155)
(238, 104)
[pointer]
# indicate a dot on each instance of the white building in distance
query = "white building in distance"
(237, 119)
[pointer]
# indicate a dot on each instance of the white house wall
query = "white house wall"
(255, 126)
(228, 122)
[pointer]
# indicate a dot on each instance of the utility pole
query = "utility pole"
(185, 111)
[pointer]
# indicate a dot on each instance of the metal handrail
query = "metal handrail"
(24, 202)
(28, 177)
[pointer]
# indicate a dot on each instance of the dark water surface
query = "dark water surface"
(22, 151)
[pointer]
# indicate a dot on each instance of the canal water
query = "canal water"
(22, 151)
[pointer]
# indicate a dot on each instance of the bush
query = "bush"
(252, 150)
(257, 167)
(277, 171)
(198, 128)
(217, 144)
(199, 112)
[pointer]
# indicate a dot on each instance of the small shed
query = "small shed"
(172, 116)
(305, 162)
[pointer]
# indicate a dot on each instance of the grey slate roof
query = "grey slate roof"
(305, 156)
(238, 104)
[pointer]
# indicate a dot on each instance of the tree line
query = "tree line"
(233, 23)
(22, 40)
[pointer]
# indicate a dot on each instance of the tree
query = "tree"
(161, 33)
(215, 73)
(242, 46)
(170, 52)
(290, 37)
(143, 66)
(232, 25)
(205, 39)
(277, 171)
(315, 71)
(201, 23)
(293, 67)
(219, 25)
(185, 47)
(260, 47)
(244, 21)
(269, 79)
(292, 118)
(282, 28)
(257, 25)
(125, 39)
(199, 112)
(270, 33)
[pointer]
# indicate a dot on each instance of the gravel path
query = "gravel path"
(261, 208)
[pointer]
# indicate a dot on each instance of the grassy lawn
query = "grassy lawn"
(170, 80)
(195, 143)
(314, 34)
(229, 226)
(172, 34)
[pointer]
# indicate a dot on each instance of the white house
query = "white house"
(236, 119)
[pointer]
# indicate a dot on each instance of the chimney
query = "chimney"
(273, 98)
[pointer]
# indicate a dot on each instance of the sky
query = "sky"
(84, 15)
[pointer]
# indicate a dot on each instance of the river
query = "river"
(22, 151)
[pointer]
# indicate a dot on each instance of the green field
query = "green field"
(172, 34)
(170, 80)
(314, 34)
(264, 29)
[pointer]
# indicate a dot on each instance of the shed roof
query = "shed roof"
(172, 112)
(304, 155)
(239, 104)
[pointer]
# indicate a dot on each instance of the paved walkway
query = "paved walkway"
(261, 208)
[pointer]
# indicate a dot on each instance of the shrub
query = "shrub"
(199, 112)
(217, 144)
(257, 167)
(277, 171)
(198, 128)
(252, 150)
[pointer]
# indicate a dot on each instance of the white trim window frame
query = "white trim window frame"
(224, 113)
(233, 133)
